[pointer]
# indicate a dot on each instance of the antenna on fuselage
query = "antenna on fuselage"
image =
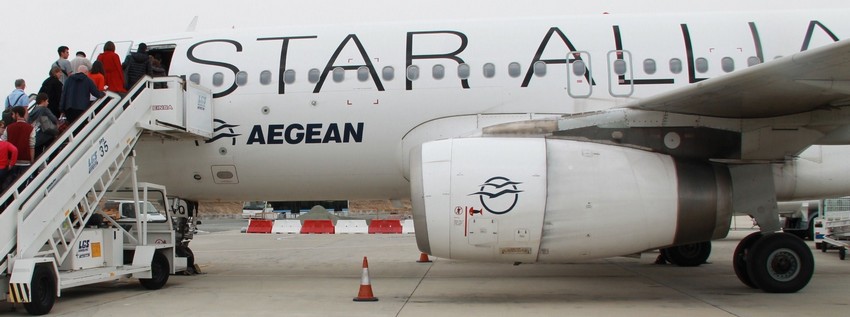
(192, 25)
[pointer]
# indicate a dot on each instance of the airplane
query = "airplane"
(532, 140)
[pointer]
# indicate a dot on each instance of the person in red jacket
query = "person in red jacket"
(112, 70)
(8, 158)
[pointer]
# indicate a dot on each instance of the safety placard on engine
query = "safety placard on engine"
(515, 250)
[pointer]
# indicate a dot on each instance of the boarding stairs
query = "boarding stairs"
(44, 218)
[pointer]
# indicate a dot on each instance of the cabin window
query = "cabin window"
(412, 72)
(489, 70)
(463, 71)
(218, 79)
(649, 66)
(727, 64)
(363, 73)
(289, 76)
(195, 78)
(753, 61)
(388, 73)
(438, 71)
(514, 69)
(313, 75)
(338, 74)
(540, 68)
(620, 67)
(701, 64)
(579, 69)
(265, 77)
(241, 78)
(675, 65)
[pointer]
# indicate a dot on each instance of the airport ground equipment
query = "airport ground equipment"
(832, 228)
(53, 232)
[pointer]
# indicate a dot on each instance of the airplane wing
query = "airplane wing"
(799, 83)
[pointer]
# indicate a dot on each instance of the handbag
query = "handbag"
(63, 124)
(47, 126)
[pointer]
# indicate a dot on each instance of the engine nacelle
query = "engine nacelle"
(555, 200)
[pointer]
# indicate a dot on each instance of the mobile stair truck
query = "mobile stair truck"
(54, 233)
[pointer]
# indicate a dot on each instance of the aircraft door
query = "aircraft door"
(579, 75)
(620, 79)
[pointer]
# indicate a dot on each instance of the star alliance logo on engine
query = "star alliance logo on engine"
(498, 195)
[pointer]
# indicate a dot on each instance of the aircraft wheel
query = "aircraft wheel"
(43, 292)
(739, 258)
(159, 273)
(689, 254)
(780, 263)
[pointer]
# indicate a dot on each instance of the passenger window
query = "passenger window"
(241, 78)
(313, 75)
(649, 66)
(195, 78)
(413, 72)
(514, 69)
(727, 64)
(579, 69)
(289, 76)
(701, 65)
(388, 73)
(363, 73)
(265, 77)
(489, 70)
(338, 74)
(540, 68)
(675, 65)
(438, 71)
(218, 79)
(753, 61)
(620, 67)
(463, 71)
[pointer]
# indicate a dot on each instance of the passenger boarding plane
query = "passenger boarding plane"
(533, 140)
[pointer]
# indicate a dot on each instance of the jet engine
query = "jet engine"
(558, 200)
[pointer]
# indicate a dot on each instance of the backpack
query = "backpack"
(47, 126)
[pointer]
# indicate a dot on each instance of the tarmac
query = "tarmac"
(319, 275)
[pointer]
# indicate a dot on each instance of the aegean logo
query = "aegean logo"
(498, 195)
(229, 133)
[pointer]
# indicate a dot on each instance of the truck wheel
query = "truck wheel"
(739, 258)
(159, 273)
(693, 254)
(43, 292)
(780, 263)
(842, 253)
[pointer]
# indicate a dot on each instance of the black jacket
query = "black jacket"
(52, 86)
(136, 66)
(75, 94)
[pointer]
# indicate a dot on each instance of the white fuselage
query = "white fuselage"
(289, 134)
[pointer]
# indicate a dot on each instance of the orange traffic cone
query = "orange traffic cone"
(365, 294)
(423, 258)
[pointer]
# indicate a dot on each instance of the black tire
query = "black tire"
(780, 263)
(842, 253)
(160, 271)
(689, 255)
(739, 258)
(184, 251)
(43, 291)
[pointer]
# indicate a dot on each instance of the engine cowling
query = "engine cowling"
(556, 200)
